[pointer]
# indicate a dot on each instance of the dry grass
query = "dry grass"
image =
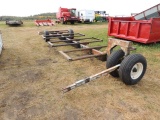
(32, 75)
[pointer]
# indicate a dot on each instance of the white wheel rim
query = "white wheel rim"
(136, 71)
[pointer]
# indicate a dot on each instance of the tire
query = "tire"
(132, 69)
(114, 59)
(45, 34)
(62, 38)
(62, 20)
(71, 32)
(83, 21)
(72, 22)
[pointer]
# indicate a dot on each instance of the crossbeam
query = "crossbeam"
(75, 43)
(63, 35)
(82, 57)
(70, 40)
(83, 49)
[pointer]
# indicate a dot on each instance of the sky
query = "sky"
(112, 7)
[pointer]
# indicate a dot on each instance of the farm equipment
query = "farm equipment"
(86, 15)
(47, 22)
(101, 16)
(120, 63)
(65, 15)
(1, 44)
(14, 22)
(143, 27)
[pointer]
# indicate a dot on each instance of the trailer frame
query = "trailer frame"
(74, 39)
(129, 67)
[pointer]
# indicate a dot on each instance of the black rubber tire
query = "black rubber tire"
(83, 21)
(72, 22)
(45, 34)
(114, 59)
(62, 21)
(70, 31)
(72, 34)
(62, 38)
(132, 63)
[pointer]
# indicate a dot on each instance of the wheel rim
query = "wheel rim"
(136, 71)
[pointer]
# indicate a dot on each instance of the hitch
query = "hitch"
(89, 79)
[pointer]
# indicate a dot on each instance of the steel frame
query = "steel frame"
(71, 39)
(126, 46)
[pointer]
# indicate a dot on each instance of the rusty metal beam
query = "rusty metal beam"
(89, 56)
(54, 32)
(82, 57)
(65, 55)
(75, 43)
(70, 40)
(82, 49)
(63, 35)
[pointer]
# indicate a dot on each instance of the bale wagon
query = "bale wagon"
(130, 68)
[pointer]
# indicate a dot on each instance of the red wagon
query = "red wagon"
(143, 27)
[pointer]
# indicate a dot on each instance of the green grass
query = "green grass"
(26, 23)
(150, 51)
(3, 24)
(100, 30)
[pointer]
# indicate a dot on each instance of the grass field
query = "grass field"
(32, 75)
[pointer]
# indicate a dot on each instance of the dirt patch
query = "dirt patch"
(27, 76)
(44, 61)
(16, 105)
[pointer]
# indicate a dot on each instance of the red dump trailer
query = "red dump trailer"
(143, 27)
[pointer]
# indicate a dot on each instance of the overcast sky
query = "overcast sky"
(112, 7)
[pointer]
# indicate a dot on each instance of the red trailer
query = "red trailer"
(143, 27)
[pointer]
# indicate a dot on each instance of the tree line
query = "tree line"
(32, 17)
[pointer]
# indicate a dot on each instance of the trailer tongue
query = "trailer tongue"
(88, 79)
